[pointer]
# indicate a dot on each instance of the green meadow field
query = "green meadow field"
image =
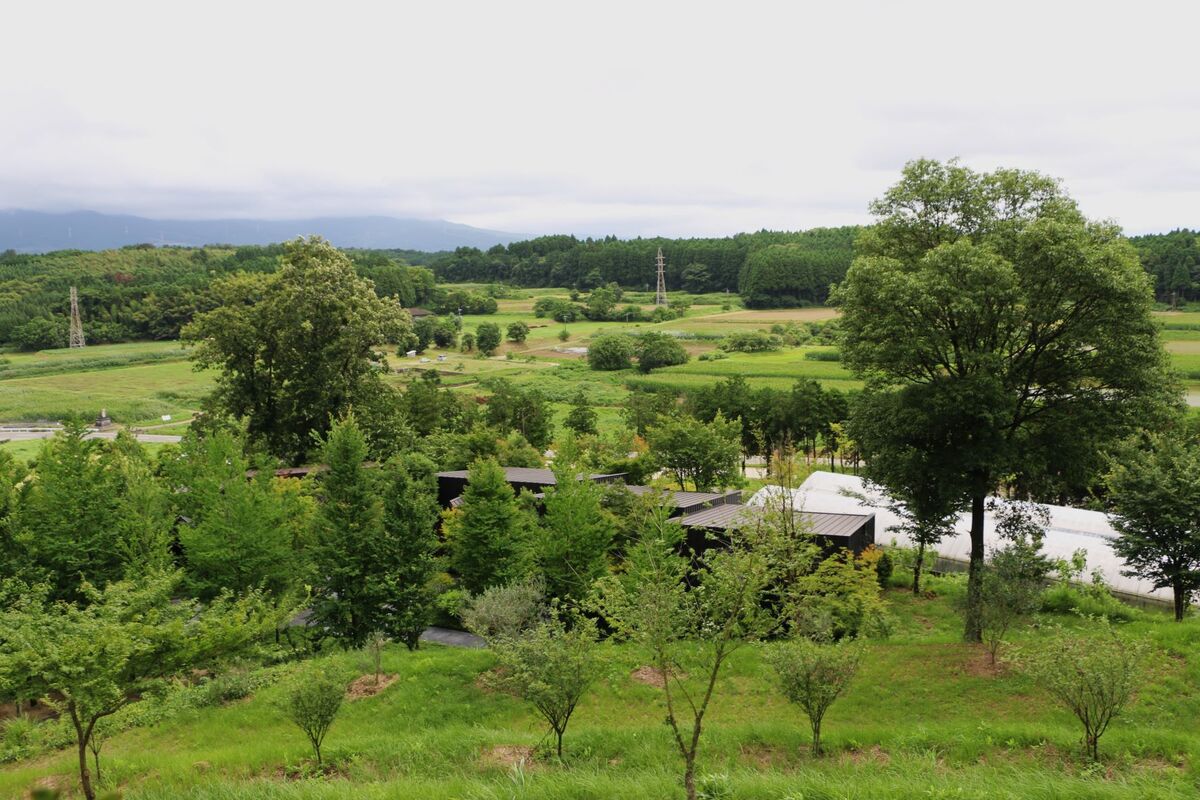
(138, 383)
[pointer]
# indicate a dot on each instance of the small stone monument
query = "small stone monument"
(104, 420)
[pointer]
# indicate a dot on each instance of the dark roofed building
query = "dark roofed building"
(690, 502)
(855, 532)
(452, 483)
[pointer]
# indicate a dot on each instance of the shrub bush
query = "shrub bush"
(1062, 598)
(612, 351)
(19, 739)
(750, 342)
(504, 611)
(229, 686)
(656, 350)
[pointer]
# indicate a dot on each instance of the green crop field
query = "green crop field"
(136, 395)
(139, 382)
(778, 370)
(926, 717)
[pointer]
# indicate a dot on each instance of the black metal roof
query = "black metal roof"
(686, 499)
(726, 517)
(521, 475)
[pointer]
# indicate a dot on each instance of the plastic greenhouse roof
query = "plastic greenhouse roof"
(1071, 529)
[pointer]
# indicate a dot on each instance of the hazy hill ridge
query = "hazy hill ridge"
(37, 231)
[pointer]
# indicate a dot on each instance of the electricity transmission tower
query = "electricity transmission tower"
(76, 339)
(660, 296)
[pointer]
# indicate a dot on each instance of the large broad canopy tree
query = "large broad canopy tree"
(986, 304)
(297, 347)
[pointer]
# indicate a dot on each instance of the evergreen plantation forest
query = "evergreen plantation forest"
(476, 525)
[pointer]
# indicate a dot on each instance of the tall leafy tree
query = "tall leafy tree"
(351, 567)
(429, 407)
(91, 512)
(237, 533)
(487, 337)
(409, 545)
(734, 400)
(488, 535)
(706, 454)
(523, 410)
(989, 298)
(582, 417)
(13, 555)
(1155, 495)
(575, 536)
(296, 348)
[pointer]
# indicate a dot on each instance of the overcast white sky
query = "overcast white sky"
(636, 118)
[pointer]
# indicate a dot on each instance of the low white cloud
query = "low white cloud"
(633, 118)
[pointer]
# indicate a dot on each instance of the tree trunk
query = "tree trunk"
(82, 741)
(689, 777)
(559, 734)
(1180, 602)
(816, 730)
(973, 630)
(85, 778)
(917, 568)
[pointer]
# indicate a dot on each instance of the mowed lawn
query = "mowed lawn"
(926, 717)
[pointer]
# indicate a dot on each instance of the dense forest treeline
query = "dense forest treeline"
(147, 292)
(768, 268)
(806, 261)
(1173, 260)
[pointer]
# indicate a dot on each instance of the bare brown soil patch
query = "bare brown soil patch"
(368, 686)
(764, 756)
(860, 756)
(978, 664)
(507, 756)
(309, 769)
(651, 676)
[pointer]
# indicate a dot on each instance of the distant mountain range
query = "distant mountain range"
(38, 232)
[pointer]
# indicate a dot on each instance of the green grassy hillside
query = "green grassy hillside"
(927, 717)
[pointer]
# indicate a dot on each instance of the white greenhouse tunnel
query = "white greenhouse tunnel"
(1071, 529)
